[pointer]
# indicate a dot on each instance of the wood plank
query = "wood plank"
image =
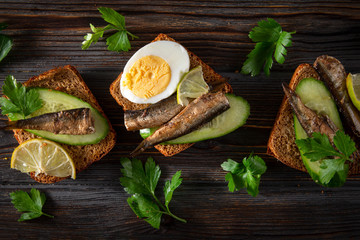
(290, 204)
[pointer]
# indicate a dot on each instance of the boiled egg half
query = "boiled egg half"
(154, 72)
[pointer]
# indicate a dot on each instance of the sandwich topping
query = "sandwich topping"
(325, 149)
(154, 72)
(152, 75)
(53, 115)
(148, 77)
(198, 112)
(75, 122)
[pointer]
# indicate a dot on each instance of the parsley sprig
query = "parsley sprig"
(270, 40)
(334, 160)
(141, 184)
(5, 43)
(21, 101)
(117, 42)
(31, 204)
(245, 175)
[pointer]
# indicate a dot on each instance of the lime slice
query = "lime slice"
(43, 156)
(353, 86)
(192, 85)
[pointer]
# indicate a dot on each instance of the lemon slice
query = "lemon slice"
(43, 156)
(353, 86)
(192, 85)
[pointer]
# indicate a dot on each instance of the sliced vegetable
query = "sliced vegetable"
(54, 101)
(315, 95)
(221, 125)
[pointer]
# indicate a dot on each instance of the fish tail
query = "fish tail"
(293, 98)
(288, 92)
(7, 125)
(139, 149)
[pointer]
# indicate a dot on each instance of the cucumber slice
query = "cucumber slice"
(221, 125)
(315, 95)
(54, 101)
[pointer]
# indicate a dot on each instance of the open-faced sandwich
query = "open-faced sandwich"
(66, 133)
(310, 110)
(175, 99)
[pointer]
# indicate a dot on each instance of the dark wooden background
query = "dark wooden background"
(290, 204)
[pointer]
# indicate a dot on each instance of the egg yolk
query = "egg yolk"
(149, 76)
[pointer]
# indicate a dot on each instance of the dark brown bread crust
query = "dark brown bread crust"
(218, 82)
(67, 79)
(281, 144)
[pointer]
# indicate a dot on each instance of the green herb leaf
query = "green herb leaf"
(333, 169)
(270, 40)
(145, 207)
(255, 165)
(134, 179)
(141, 184)
(170, 187)
(112, 17)
(22, 101)
(317, 147)
(235, 181)
(30, 204)
(345, 144)
(245, 175)
(334, 166)
(5, 46)
(280, 51)
(5, 43)
(118, 41)
(153, 173)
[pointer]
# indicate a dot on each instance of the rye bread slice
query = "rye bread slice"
(281, 144)
(218, 83)
(67, 79)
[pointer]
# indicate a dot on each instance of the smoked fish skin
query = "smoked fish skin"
(334, 75)
(200, 111)
(74, 122)
(153, 116)
(309, 120)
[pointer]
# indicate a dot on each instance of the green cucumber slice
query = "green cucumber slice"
(314, 94)
(221, 125)
(54, 101)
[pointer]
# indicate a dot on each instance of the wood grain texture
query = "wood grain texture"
(289, 205)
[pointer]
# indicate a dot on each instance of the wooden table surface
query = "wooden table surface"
(290, 204)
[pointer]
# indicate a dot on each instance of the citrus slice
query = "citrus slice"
(353, 86)
(192, 85)
(43, 156)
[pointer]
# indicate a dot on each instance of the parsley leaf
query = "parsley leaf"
(244, 175)
(270, 40)
(170, 187)
(116, 42)
(5, 43)
(21, 101)
(30, 204)
(334, 166)
(141, 184)
(345, 144)
(317, 147)
(144, 207)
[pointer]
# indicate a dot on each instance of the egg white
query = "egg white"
(173, 53)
